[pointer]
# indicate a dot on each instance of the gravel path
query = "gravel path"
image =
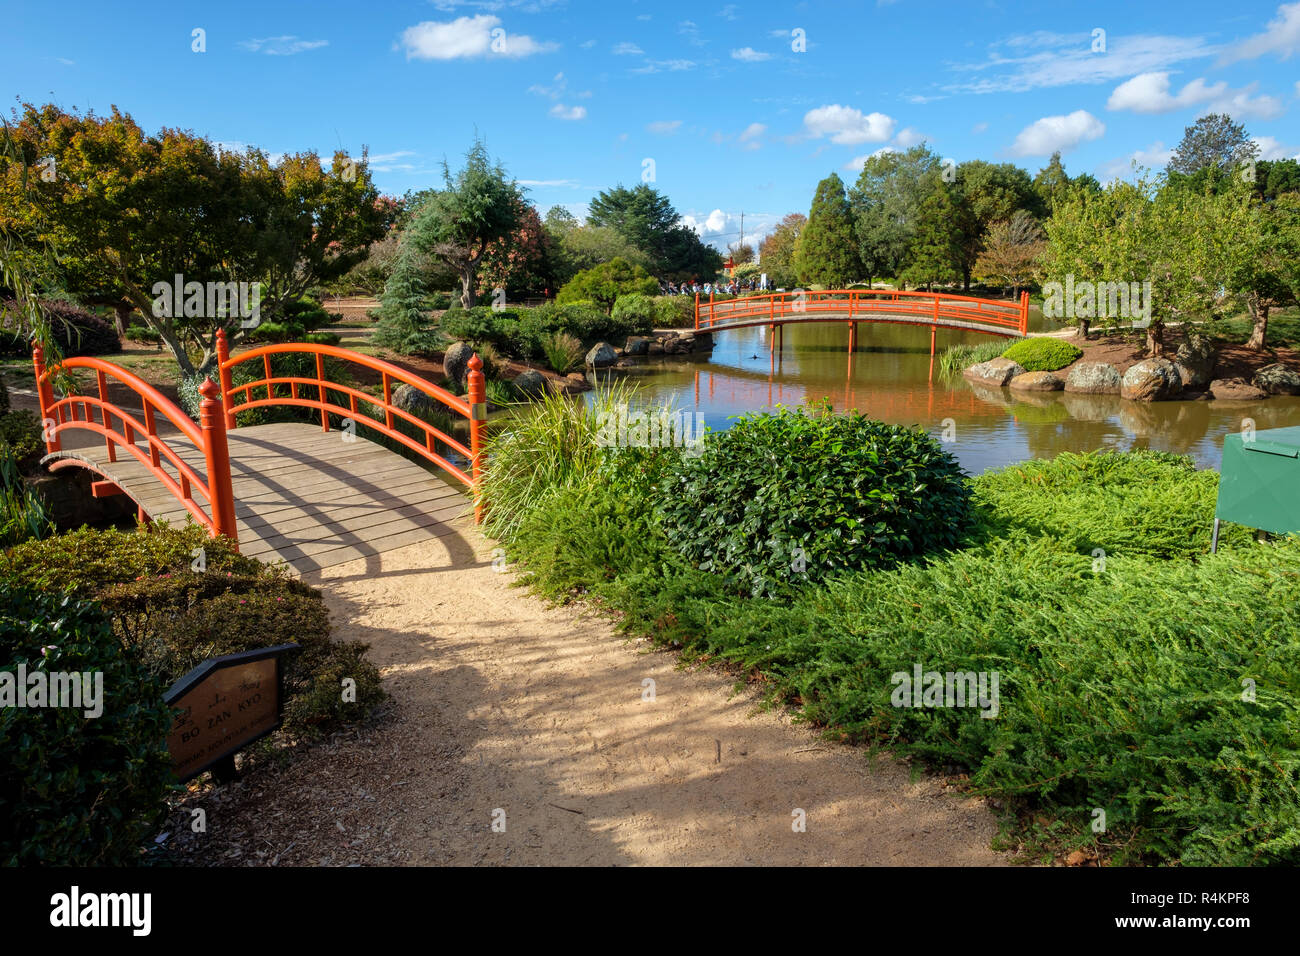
(503, 704)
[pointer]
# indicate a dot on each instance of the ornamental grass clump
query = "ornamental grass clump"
(798, 497)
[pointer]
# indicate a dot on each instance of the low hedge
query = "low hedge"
(1042, 353)
(78, 790)
(76, 331)
(174, 617)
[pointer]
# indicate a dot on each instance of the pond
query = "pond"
(889, 379)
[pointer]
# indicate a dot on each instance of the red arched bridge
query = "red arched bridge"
(311, 495)
(937, 310)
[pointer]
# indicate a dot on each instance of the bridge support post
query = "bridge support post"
(216, 452)
(227, 382)
(1024, 312)
(853, 337)
(477, 383)
(697, 312)
(932, 333)
(45, 399)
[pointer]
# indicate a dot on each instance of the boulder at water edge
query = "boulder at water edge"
(455, 361)
(530, 383)
(996, 371)
(602, 355)
(1093, 378)
(415, 402)
(637, 345)
(1277, 379)
(1037, 382)
(1151, 380)
(1235, 390)
(1195, 362)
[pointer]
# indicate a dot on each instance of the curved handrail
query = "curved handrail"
(59, 415)
(929, 308)
(473, 408)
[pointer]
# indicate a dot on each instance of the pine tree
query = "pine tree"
(935, 254)
(827, 251)
(402, 312)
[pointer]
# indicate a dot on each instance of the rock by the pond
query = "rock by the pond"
(1151, 380)
(1195, 362)
(1277, 379)
(656, 348)
(455, 361)
(996, 371)
(1235, 390)
(636, 345)
(602, 355)
(530, 383)
(577, 377)
(1093, 378)
(415, 402)
(1037, 382)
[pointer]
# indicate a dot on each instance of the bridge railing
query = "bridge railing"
(850, 305)
(377, 412)
(123, 431)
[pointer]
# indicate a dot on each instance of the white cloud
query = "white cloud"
(389, 157)
(282, 46)
(857, 162)
(1154, 156)
(1072, 61)
(979, 128)
(749, 55)
(560, 111)
(558, 88)
(847, 126)
(663, 127)
(670, 66)
(752, 131)
(1149, 93)
(909, 137)
(729, 12)
(627, 49)
(1282, 37)
(467, 37)
(714, 223)
(1271, 149)
(587, 44)
(550, 183)
(1051, 133)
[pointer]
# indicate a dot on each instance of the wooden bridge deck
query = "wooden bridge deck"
(302, 495)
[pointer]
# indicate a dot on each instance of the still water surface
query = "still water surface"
(890, 381)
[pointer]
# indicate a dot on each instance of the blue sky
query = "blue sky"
(741, 106)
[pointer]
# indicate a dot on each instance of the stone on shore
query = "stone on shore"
(1151, 380)
(1093, 378)
(996, 371)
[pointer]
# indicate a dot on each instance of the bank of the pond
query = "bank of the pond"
(1140, 681)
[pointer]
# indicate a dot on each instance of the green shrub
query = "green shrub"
(144, 334)
(20, 432)
(603, 284)
(675, 311)
(77, 790)
(173, 617)
(635, 311)
(1042, 354)
(22, 511)
(794, 497)
(564, 353)
(439, 302)
(76, 331)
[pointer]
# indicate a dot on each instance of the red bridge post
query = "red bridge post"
(1024, 312)
(45, 399)
(477, 382)
(216, 453)
(223, 373)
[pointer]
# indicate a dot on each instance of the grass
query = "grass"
(1283, 329)
(1122, 646)
(955, 359)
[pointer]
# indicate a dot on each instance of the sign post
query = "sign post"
(222, 706)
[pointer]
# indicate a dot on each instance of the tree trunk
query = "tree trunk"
(121, 315)
(467, 295)
(1155, 338)
(1084, 328)
(1259, 312)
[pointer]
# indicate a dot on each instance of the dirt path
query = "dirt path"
(500, 702)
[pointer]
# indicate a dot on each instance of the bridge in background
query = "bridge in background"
(313, 496)
(935, 310)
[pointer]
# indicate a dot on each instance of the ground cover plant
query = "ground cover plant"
(1138, 674)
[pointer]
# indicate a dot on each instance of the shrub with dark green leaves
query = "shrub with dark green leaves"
(77, 331)
(636, 311)
(1042, 353)
(21, 432)
(675, 311)
(78, 790)
(790, 497)
(604, 283)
